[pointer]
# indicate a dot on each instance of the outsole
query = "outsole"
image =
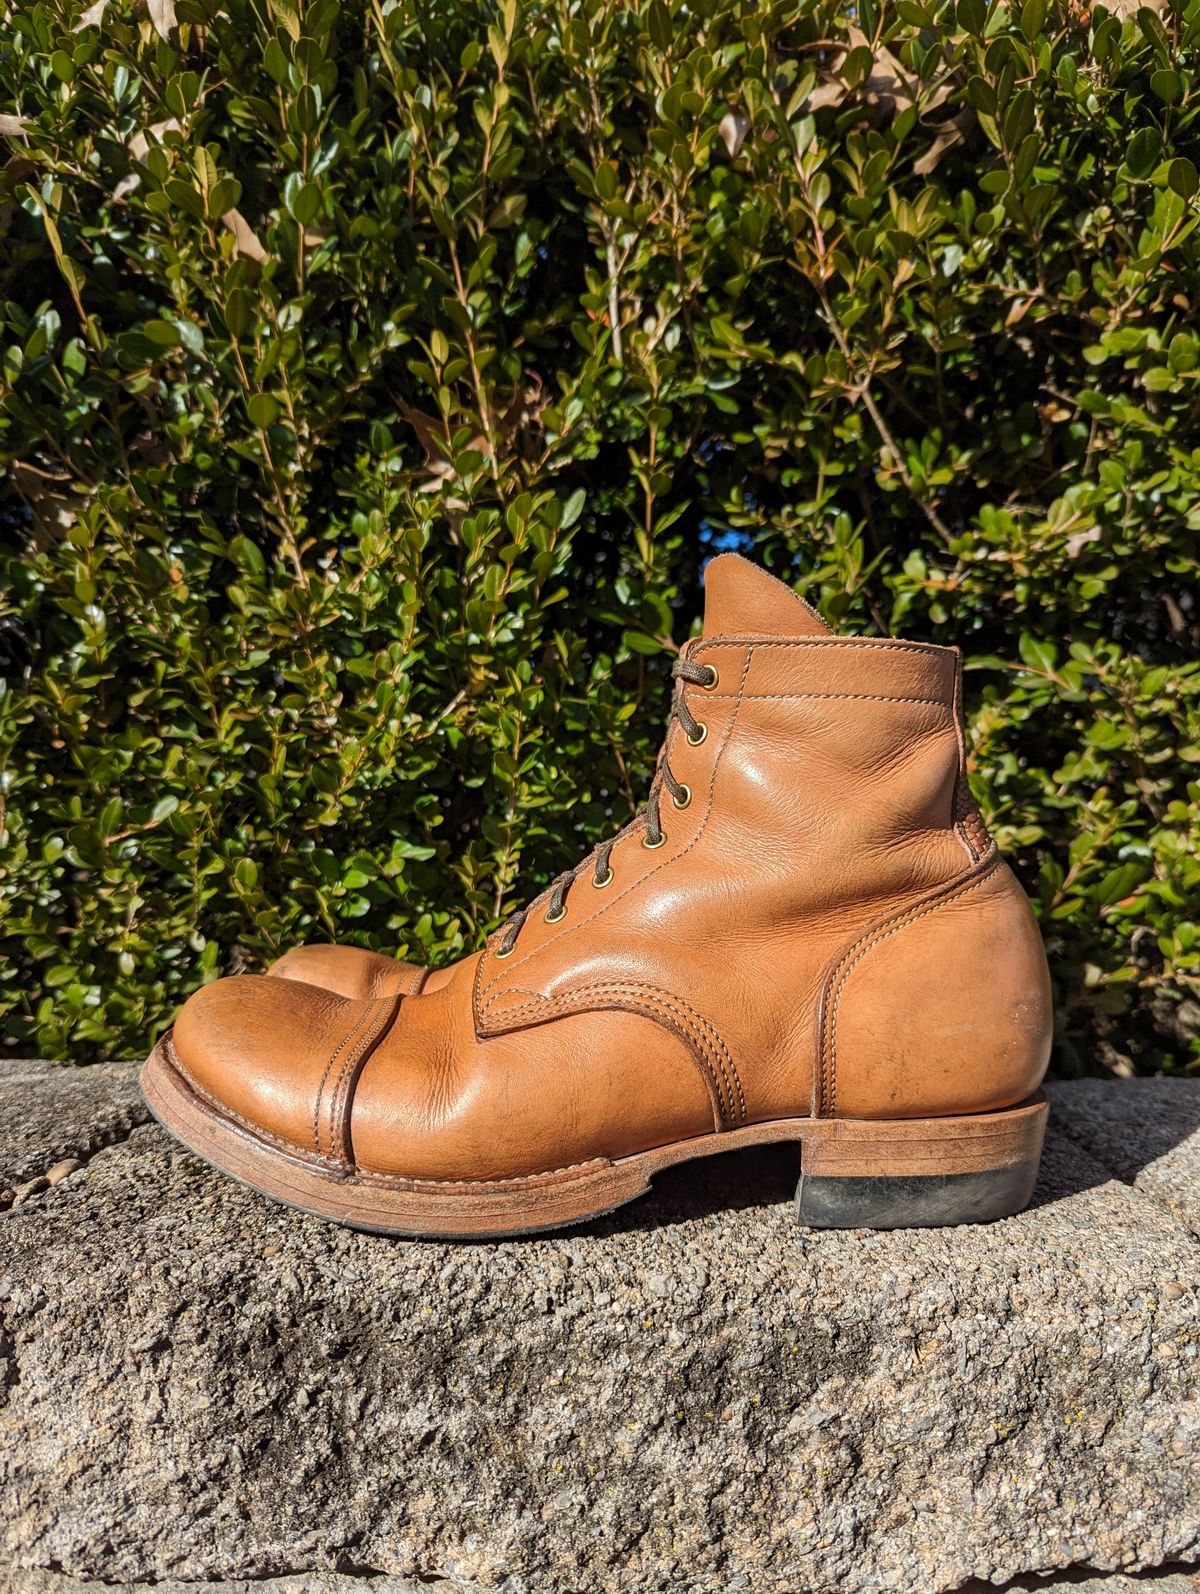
(858, 1157)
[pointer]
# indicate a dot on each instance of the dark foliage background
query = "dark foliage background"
(376, 379)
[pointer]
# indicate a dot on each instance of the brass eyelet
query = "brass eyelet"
(653, 846)
(714, 677)
(600, 881)
(684, 800)
(554, 918)
(503, 951)
(702, 730)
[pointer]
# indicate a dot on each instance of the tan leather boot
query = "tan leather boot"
(807, 936)
(350, 971)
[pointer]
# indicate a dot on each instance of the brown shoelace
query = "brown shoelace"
(684, 671)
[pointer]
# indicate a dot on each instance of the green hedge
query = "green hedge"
(377, 377)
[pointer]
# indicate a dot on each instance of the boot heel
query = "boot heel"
(923, 1172)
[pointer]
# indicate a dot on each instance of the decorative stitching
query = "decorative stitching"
(857, 697)
(365, 1045)
(715, 1078)
(872, 938)
(658, 1012)
(345, 1041)
(389, 1180)
(884, 644)
(725, 1063)
(961, 791)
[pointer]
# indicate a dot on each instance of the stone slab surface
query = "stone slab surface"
(1146, 1130)
(30, 1582)
(298, 1583)
(1182, 1581)
(50, 1114)
(198, 1385)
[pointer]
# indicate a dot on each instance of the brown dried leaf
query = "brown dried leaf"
(889, 88)
(948, 134)
(246, 238)
(521, 417)
(1078, 542)
(51, 500)
(139, 144)
(832, 92)
(139, 147)
(733, 128)
(13, 126)
(887, 85)
(162, 15)
(92, 17)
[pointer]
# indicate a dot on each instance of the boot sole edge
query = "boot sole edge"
(856, 1173)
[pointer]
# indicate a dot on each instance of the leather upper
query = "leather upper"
(826, 929)
(349, 971)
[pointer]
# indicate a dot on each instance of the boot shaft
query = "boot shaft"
(835, 782)
(810, 881)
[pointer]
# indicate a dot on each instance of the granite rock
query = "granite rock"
(31, 1582)
(1180, 1581)
(689, 1394)
(1146, 1130)
(50, 1114)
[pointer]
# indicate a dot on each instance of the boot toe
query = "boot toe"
(348, 971)
(277, 1055)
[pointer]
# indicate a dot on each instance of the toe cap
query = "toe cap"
(280, 1056)
(348, 971)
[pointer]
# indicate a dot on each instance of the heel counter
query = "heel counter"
(943, 1008)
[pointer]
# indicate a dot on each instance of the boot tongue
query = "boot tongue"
(742, 600)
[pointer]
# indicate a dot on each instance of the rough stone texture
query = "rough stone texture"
(49, 1113)
(298, 1583)
(1147, 1131)
(690, 1394)
(1183, 1581)
(1179, 1582)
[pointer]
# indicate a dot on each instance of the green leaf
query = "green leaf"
(304, 202)
(1182, 177)
(1116, 884)
(1167, 85)
(658, 23)
(263, 410)
(165, 333)
(1036, 653)
(639, 642)
(1143, 153)
(573, 508)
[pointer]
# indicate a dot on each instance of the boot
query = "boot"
(807, 935)
(351, 971)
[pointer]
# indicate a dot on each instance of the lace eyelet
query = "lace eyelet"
(684, 800)
(505, 951)
(555, 918)
(702, 730)
(714, 676)
(600, 881)
(653, 846)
